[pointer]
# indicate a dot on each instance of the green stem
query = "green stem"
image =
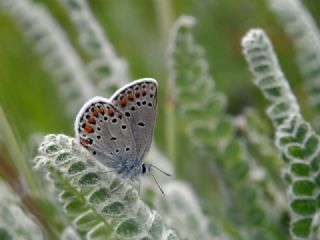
(170, 125)
(15, 152)
(164, 21)
(164, 17)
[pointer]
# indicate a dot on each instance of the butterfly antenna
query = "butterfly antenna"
(165, 173)
(157, 184)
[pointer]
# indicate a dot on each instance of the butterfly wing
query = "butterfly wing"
(138, 103)
(105, 132)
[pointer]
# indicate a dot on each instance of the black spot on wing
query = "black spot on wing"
(141, 124)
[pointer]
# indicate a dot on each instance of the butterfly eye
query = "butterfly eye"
(143, 168)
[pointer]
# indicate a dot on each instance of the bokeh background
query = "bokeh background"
(139, 34)
(139, 31)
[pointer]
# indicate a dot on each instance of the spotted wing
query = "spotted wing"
(105, 132)
(138, 103)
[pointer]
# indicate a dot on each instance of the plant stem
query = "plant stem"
(164, 17)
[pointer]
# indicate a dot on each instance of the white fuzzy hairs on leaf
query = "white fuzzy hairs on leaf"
(181, 209)
(295, 138)
(73, 77)
(106, 67)
(211, 131)
(102, 204)
(14, 220)
(305, 35)
(189, 76)
(264, 65)
(59, 57)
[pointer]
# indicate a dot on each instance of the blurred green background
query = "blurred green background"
(139, 33)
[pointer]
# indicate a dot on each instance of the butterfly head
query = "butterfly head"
(145, 168)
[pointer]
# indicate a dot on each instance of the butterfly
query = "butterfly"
(118, 131)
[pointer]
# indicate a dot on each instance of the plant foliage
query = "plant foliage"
(235, 176)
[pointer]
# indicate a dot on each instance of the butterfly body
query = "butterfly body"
(118, 131)
(130, 168)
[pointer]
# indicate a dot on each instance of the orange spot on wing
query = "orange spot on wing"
(131, 96)
(101, 110)
(88, 128)
(123, 102)
(91, 120)
(110, 112)
(84, 142)
(94, 111)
